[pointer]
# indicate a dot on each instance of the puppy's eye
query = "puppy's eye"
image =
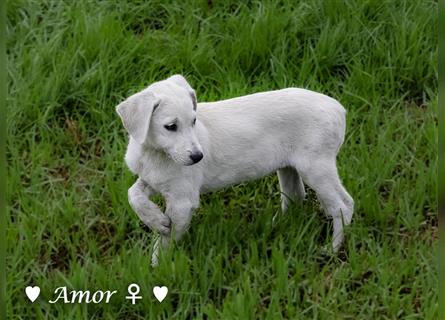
(194, 122)
(171, 127)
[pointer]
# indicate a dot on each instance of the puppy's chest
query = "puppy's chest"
(163, 177)
(155, 175)
(161, 173)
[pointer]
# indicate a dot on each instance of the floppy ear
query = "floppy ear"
(136, 112)
(180, 80)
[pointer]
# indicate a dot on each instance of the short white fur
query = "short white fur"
(295, 132)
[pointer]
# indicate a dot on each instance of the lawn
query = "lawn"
(69, 223)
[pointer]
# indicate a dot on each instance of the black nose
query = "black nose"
(196, 157)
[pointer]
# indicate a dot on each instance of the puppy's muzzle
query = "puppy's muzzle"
(196, 156)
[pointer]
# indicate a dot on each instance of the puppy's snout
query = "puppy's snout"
(196, 156)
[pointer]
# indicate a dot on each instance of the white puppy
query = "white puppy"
(179, 148)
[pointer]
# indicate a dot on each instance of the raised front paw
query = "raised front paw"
(160, 223)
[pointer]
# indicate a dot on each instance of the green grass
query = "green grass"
(71, 62)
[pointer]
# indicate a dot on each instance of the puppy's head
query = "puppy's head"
(163, 116)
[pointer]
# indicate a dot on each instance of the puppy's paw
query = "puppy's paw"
(165, 225)
(161, 223)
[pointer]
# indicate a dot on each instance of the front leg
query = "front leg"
(148, 211)
(179, 210)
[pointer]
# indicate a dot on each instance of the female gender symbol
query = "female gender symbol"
(133, 289)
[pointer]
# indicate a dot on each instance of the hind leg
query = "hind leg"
(291, 186)
(322, 176)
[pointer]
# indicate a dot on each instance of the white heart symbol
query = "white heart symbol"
(160, 292)
(32, 292)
